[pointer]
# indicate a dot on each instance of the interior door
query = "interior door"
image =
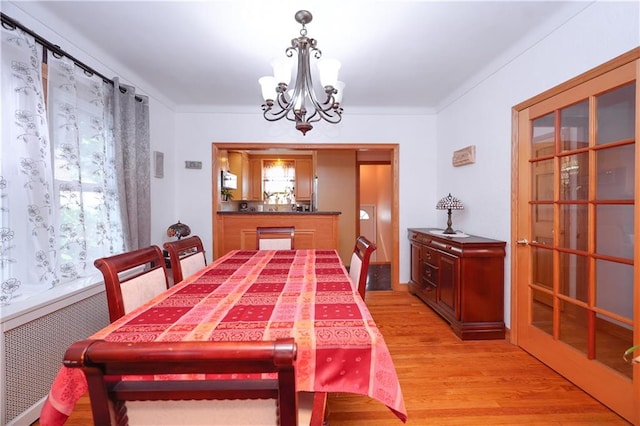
(368, 225)
(576, 284)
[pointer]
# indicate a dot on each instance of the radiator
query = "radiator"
(33, 348)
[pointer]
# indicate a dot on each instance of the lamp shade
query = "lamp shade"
(178, 230)
(328, 69)
(268, 86)
(282, 70)
(449, 203)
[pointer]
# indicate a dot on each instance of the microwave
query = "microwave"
(229, 180)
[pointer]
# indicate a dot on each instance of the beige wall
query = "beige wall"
(336, 171)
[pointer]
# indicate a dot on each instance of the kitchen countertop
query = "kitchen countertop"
(279, 213)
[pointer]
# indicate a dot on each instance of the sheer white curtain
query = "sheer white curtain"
(89, 224)
(59, 198)
(28, 233)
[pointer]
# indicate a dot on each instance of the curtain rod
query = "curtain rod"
(11, 23)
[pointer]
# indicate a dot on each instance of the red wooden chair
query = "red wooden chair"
(186, 256)
(132, 278)
(359, 266)
(275, 238)
(178, 400)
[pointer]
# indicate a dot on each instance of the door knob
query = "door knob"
(522, 241)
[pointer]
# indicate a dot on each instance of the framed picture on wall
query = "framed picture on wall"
(158, 164)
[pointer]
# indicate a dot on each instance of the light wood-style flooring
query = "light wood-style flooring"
(449, 382)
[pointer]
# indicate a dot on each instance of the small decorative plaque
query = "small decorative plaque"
(464, 156)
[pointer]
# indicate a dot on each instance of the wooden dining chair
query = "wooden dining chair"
(216, 399)
(275, 238)
(359, 265)
(132, 278)
(186, 257)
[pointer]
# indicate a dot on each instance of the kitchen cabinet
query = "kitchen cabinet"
(462, 279)
(304, 179)
(239, 166)
(255, 179)
(246, 176)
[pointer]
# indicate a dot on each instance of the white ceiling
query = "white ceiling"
(417, 55)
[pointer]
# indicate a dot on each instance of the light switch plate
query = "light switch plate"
(193, 164)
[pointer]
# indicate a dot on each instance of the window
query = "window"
(279, 178)
(58, 190)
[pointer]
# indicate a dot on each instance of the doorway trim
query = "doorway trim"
(395, 172)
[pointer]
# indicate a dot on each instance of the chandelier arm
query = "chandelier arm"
(271, 115)
(283, 103)
(321, 112)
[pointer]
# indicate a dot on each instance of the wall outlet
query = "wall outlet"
(193, 164)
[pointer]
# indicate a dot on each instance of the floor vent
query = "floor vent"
(33, 352)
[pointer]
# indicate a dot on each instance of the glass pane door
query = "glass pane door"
(575, 281)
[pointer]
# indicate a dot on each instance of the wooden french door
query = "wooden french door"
(575, 277)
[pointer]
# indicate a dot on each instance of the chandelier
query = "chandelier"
(301, 104)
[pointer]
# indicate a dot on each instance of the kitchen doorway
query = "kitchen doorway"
(374, 201)
(370, 153)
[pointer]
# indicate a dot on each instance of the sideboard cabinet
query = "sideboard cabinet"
(462, 279)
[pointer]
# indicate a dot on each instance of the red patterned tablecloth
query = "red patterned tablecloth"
(263, 295)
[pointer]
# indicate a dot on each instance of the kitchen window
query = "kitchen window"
(278, 180)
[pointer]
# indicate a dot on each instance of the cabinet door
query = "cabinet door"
(235, 167)
(304, 178)
(255, 167)
(416, 264)
(448, 284)
(246, 177)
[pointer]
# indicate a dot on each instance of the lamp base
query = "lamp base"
(449, 229)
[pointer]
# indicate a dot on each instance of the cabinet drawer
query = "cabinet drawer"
(430, 256)
(419, 238)
(429, 274)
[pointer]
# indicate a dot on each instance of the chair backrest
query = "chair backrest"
(186, 256)
(132, 278)
(275, 238)
(359, 266)
(219, 398)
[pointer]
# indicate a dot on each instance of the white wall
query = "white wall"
(414, 133)
(482, 117)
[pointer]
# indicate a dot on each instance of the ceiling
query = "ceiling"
(396, 55)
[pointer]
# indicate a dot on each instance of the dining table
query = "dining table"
(262, 295)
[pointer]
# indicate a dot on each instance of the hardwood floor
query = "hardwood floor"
(449, 382)
(446, 381)
(379, 277)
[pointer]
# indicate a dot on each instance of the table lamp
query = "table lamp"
(178, 230)
(449, 203)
